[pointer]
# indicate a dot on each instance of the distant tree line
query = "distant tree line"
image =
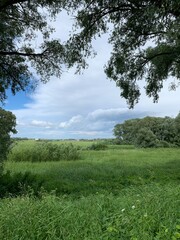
(149, 132)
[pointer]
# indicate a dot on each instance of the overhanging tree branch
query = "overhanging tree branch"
(23, 53)
(148, 59)
(14, 79)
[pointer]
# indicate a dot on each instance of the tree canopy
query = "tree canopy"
(21, 24)
(144, 34)
(149, 132)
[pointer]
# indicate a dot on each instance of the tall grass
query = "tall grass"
(117, 193)
(105, 171)
(44, 151)
(146, 213)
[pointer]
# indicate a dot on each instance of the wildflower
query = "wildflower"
(133, 207)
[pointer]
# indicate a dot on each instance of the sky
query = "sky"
(85, 106)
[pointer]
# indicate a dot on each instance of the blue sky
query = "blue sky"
(82, 106)
(16, 101)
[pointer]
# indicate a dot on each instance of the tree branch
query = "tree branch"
(148, 59)
(6, 3)
(5, 53)
(95, 17)
(12, 76)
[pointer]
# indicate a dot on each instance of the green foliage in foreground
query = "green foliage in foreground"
(142, 213)
(44, 151)
(117, 193)
(18, 184)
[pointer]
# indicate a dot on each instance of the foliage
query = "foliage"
(125, 133)
(142, 213)
(97, 146)
(177, 129)
(7, 126)
(149, 132)
(146, 138)
(107, 171)
(21, 22)
(19, 184)
(45, 151)
(119, 193)
(132, 27)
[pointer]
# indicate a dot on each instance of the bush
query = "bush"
(164, 144)
(18, 184)
(45, 151)
(98, 146)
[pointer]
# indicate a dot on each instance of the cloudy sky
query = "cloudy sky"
(82, 106)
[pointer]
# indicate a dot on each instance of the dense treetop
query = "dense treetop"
(149, 132)
(144, 34)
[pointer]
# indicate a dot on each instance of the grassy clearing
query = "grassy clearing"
(105, 171)
(119, 193)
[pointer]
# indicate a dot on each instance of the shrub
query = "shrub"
(164, 144)
(98, 146)
(45, 151)
(18, 184)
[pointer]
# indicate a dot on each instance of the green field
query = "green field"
(117, 193)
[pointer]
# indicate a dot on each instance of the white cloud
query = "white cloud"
(73, 121)
(85, 106)
(86, 133)
(112, 114)
(44, 124)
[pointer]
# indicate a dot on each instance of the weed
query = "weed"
(19, 184)
(44, 151)
(97, 146)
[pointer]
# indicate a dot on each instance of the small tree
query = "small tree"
(7, 126)
(118, 132)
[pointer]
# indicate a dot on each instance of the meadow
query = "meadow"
(119, 192)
